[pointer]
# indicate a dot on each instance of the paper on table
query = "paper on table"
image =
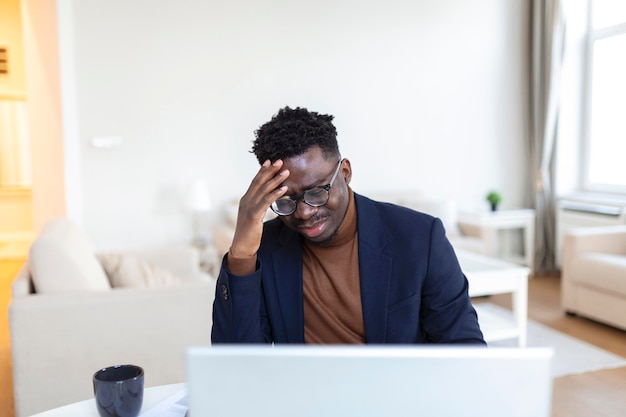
(173, 406)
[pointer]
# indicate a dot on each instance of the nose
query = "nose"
(304, 211)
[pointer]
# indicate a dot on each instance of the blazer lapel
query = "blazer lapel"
(374, 269)
(287, 261)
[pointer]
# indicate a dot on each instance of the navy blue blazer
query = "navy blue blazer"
(412, 287)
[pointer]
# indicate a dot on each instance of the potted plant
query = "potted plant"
(494, 198)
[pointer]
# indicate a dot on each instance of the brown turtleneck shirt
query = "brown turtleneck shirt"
(332, 293)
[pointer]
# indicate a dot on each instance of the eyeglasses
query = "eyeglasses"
(314, 197)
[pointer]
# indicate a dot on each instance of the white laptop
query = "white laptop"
(364, 381)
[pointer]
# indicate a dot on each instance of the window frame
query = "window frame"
(593, 35)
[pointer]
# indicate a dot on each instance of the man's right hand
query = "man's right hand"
(264, 189)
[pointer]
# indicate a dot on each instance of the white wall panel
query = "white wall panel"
(427, 95)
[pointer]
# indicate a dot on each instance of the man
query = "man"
(334, 267)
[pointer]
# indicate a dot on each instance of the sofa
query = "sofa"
(593, 274)
(75, 310)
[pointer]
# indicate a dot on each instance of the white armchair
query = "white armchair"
(593, 277)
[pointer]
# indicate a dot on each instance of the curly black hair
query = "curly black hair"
(292, 132)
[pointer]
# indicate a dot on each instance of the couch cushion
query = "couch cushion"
(126, 270)
(601, 270)
(62, 259)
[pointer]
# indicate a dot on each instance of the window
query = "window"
(604, 153)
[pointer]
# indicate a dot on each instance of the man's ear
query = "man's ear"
(346, 170)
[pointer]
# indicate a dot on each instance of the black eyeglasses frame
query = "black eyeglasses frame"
(302, 197)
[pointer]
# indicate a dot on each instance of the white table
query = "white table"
(491, 223)
(151, 397)
(488, 276)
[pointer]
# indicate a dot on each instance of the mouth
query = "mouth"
(314, 230)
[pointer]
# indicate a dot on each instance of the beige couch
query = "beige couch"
(593, 279)
(75, 311)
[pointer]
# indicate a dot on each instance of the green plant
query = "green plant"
(494, 197)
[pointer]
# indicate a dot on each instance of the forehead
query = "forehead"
(308, 169)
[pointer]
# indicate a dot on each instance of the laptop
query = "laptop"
(364, 381)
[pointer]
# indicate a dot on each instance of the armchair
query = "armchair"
(593, 275)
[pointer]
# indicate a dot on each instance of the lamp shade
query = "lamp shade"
(197, 197)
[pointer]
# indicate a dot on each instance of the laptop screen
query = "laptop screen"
(329, 381)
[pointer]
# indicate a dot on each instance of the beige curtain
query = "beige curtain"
(15, 168)
(547, 47)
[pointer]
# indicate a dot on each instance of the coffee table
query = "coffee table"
(489, 276)
(151, 397)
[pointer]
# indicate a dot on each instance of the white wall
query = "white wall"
(427, 95)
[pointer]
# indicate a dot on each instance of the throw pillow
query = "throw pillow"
(62, 259)
(130, 271)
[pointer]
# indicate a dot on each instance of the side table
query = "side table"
(491, 223)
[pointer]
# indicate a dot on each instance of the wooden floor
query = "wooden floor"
(593, 394)
(597, 394)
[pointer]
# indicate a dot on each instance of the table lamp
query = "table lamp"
(198, 202)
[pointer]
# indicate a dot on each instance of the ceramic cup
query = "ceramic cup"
(119, 391)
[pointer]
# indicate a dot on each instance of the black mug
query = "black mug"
(119, 390)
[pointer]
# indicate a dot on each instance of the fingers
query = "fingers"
(264, 189)
(266, 185)
(269, 174)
